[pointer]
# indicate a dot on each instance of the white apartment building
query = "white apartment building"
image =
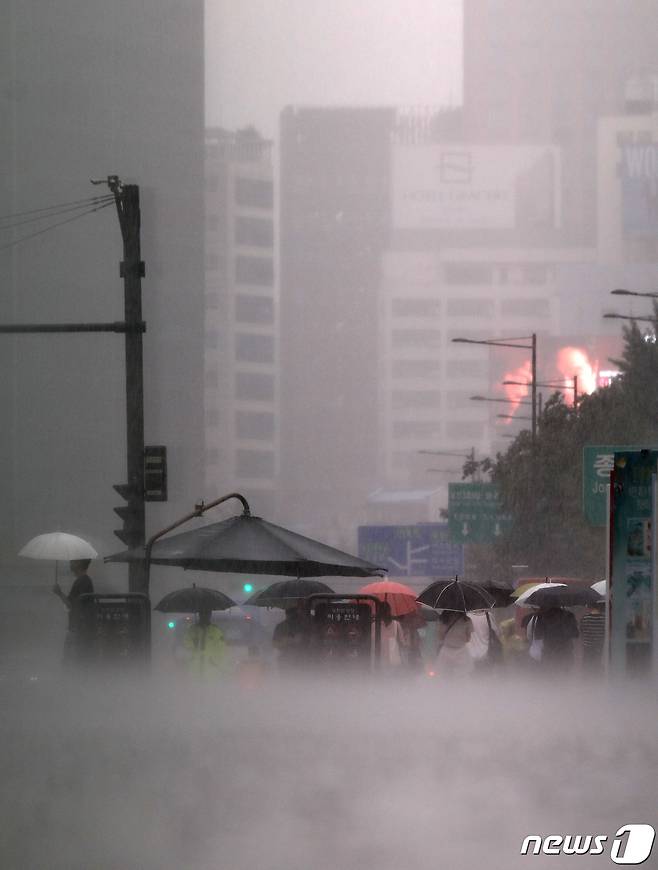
(241, 426)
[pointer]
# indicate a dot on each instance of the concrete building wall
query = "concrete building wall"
(90, 89)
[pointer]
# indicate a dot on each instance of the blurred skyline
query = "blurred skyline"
(261, 57)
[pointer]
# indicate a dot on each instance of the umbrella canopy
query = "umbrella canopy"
(601, 588)
(400, 598)
(558, 595)
(457, 596)
(250, 545)
(59, 546)
(285, 593)
(194, 599)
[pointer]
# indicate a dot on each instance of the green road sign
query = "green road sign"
(475, 514)
(598, 461)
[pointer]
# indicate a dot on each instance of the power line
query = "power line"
(53, 226)
(87, 201)
(70, 208)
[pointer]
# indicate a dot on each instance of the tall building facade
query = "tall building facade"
(90, 90)
(241, 314)
(335, 214)
(546, 72)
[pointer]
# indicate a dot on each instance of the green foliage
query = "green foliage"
(542, 486)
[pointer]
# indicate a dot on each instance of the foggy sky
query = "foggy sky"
(264, 54)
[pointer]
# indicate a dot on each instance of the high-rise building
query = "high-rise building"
(546, 72)
(335, 212)
(91, 90)
(241, 420)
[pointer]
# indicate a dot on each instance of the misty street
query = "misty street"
(328, 434)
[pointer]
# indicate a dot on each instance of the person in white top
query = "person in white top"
(454, 634)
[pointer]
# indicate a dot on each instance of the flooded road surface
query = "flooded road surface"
(154, 774)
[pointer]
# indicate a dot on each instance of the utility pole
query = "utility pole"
(132, 270)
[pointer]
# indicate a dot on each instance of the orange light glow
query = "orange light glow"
(570, 361)
(517, 392)
(574, 361)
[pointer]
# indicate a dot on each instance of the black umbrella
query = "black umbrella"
(250, 545)
(194, 599)
(285, 593)
(559, 595)
(456, 596)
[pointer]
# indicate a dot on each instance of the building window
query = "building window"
(254, 348)
(212, 262)
(212, 223)
(254, 309)
(254, 386)
(416, 368)
(525, 308)
(467, 429)
(254, 463)
(416, 308)
(470, 307)
(416, 429)
(212, 301)
(416, 337)
(212, 416)
(467, 273)
(254, 270)
(254, 192)
(403, 399)
(467, 368)
(459, 399)
(212, 183)
(255, 425)
(258, 232)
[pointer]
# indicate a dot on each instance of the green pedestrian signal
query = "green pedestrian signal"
(247, 587)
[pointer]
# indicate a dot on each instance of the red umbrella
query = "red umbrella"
(400, 598)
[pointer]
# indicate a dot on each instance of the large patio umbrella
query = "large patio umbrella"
(286, 593)
(248, 545)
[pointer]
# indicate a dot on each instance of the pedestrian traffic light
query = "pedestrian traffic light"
(171, 623)
(247, 587)
(132, 514)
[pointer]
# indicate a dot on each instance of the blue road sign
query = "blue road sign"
(423, 550)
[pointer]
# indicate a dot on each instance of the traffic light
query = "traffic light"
(132, 514)
(247, 588)
(171, 623)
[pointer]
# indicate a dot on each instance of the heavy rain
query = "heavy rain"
(328, 444)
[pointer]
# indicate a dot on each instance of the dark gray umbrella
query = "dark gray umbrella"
(250, 545)
(194, 599)
(285, 593)
(559, 595)
(457, 596)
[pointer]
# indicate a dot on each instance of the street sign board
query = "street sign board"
(422, 550)
(598, 461)
(475, 513)
(631, 591)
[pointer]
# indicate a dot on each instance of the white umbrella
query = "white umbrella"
(59, 546)
(520, 601)
(601, 587)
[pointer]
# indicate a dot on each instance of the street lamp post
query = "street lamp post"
(550, 384)
(515, 342)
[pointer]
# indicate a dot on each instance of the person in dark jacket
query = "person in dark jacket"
(82, 585)
(557, 628)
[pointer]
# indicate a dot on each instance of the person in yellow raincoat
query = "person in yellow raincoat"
(205, 647)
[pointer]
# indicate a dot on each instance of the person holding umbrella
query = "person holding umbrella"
(82, 585)
(205, 647)
(291, 637)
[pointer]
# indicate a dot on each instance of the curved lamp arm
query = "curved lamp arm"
(199, 510)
